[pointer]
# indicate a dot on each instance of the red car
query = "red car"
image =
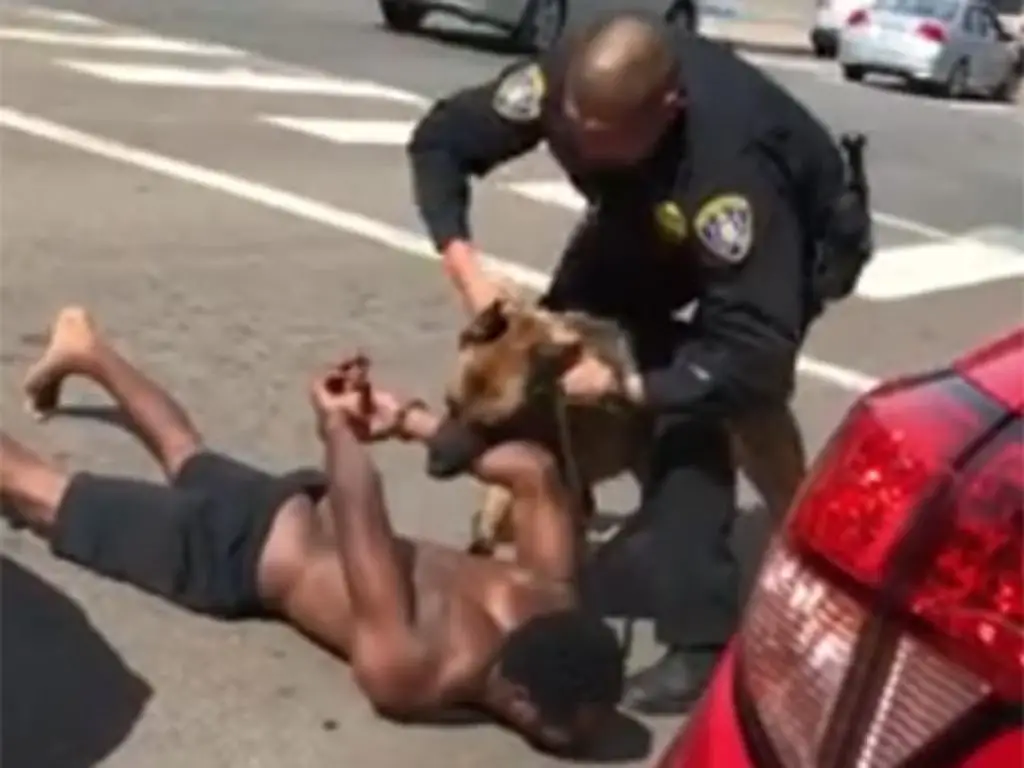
(886, 627)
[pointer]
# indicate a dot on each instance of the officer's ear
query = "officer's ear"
(488, 326)
(674, 100)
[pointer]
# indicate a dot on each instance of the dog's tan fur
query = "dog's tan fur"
(511, 351)
(507, 354)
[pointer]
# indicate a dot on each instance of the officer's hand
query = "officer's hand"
(589, 381)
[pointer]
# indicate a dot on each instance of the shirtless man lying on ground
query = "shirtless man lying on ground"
(425, 627)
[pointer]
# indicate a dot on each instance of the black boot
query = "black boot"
(672, 684)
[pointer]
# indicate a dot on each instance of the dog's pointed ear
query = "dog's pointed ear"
(489, 325)
(561, 349)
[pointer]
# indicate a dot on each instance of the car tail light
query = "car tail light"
(933, 32)
(995, 370)
(892, 602)
(857, 18)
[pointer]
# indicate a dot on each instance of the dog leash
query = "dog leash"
(574, 480)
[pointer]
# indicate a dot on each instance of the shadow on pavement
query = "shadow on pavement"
(68, 700)
(625, 739)
(103, 414)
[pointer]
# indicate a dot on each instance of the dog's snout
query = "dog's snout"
(453, 448)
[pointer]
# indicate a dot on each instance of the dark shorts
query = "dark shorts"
(196, 542)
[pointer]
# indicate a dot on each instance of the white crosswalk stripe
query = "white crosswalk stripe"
(120, 42)
(239, 79)
(941, 263)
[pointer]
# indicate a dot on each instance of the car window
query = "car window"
(979, 22)
(941, 10)
(973, 24)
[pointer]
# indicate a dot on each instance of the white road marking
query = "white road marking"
(375, 90)
(900, 273)
(313, 210)
(62, 17)
(146, 43)
(794, 63)
(559, 193)
(239, 79)
(391, 133)
(562, 193)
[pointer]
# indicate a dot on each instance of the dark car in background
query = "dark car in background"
(532, 25)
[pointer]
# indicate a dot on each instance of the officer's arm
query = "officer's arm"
(751, 315)
(468, 134)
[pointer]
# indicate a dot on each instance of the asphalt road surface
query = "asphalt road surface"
(235, 216)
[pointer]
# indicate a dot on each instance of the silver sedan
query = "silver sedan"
(532, 24)
(956, 47)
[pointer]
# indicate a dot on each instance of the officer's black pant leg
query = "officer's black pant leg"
(673, 561)
(689, 505)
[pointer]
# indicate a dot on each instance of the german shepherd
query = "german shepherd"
(505, 385)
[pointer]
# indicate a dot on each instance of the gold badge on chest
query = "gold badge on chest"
(671, 221)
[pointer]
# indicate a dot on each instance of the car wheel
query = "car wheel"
(402, 17)
(1009, 88)
(853, 73)
(682, 14)
(541, 25)
(956, 84)
(824, 51)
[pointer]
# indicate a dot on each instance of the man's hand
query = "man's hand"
(590, 380)
(343, 396)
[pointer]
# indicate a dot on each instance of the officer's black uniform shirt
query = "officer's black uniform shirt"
(726, 211)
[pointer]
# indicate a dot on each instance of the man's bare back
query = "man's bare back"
(424, 626)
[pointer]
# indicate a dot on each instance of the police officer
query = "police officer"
(706, 182)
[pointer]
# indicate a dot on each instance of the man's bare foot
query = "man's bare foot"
(73, 342)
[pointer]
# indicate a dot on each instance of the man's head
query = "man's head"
(508, 355)
(506, 351)
(558, 678)
(622, 89)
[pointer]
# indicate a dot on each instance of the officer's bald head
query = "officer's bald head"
(622, 78)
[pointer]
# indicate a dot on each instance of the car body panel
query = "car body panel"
(889, 43)
(719, 732)
(829, 18)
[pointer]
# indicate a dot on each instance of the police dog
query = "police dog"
(505, 385)
(511, 357)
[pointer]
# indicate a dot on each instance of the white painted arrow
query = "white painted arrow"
(916, 270)
(390, 133)
(240, 79)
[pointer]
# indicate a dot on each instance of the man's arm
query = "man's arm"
(546, 538)
(468, 134)
(395, 669)
(751, 316)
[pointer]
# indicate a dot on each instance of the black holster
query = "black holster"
(847, 243)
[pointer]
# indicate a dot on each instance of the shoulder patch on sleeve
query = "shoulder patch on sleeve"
(520, 95)
(725, 225)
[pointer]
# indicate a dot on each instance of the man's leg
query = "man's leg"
(32, 485)
(125, 529)
(76, 348)
(675, 558)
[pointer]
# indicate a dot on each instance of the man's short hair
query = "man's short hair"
(621, 63)
(566, 661)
